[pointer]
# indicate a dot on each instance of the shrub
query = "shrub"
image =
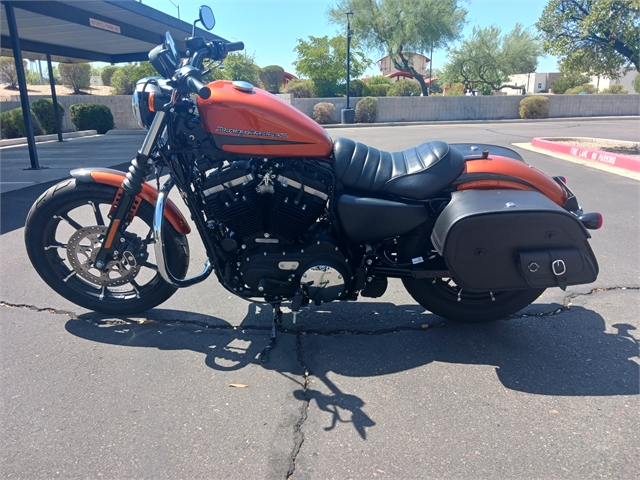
(404, 88)
(31, 77)
(75, 75)
(534, 107)
(376, 90)
(323, 112)
(455, 90)
(587, 89)
(615, 90)
(43, 110)
(12, 124)
(636, 84)
(300, 88)
(123, 80)
(89, 116)
(107, 73)
(367, 110)
(272, 77)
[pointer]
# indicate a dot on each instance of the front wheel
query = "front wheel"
(444, 298)
(64, 231)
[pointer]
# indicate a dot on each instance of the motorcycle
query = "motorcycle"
(286, 214)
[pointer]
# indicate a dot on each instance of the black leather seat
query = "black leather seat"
(419, 173)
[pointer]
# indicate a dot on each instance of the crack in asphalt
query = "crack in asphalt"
(294, 331)
(298, 435)
(33, 308)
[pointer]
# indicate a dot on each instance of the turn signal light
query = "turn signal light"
(592, 221)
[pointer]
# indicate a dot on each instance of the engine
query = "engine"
(269, 212)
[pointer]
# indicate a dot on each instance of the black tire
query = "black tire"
(440, 296)
(57, 221)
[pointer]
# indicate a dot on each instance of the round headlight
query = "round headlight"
(142, 100)
(137, 114)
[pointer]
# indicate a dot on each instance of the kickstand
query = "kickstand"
(277, 320)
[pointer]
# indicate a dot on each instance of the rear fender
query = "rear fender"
(109, 176)
(497, 172)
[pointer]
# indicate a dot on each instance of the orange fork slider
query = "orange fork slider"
(148, 193)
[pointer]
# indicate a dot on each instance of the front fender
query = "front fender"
(109, 176)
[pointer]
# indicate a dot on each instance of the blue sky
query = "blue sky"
(270, 29)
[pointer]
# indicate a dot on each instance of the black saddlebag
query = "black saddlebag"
(510, 239)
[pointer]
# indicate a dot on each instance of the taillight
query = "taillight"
(562, 179)
(592, 221)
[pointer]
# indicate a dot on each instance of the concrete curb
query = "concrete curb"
(46, 138)
(613, 159)
(127, 132)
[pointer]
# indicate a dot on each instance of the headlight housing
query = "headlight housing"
(147, 99)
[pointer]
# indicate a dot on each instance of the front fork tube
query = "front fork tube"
(138, 172)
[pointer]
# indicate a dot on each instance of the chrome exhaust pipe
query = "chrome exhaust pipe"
(163, 269)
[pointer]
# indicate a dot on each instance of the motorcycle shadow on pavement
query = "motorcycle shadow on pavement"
(567, 354)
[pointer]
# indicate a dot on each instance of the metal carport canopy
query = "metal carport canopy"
(111, 31)
(68, 31)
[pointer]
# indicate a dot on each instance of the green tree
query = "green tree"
(404, 88)
(399, 26)
(76, 76)
(8, 72)
(324, 60)
(123, 80)
(487, 58)
(106, 73)
(567, 80)
(596, 37)
(636, 84)
(272, 77)
(241, 66)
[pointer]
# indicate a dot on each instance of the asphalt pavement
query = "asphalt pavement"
(376, 388)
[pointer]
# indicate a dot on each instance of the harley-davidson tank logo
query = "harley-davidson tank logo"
(253, 133)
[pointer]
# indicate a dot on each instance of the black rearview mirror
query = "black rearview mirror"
(207, 18)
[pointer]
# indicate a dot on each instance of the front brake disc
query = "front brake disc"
(82, 248)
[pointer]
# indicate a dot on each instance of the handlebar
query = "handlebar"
(196, 86)
(233, 46)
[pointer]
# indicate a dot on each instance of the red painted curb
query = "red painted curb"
(612, 159)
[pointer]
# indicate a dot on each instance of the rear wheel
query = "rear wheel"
(64, 231)
(444, 298)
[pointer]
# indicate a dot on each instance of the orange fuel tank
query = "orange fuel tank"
(250, 121)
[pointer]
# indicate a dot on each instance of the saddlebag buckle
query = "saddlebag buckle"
(559, 268)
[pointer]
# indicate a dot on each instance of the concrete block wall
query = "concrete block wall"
(396, 109)
(120, 106)
(593, 105)
(416, 109)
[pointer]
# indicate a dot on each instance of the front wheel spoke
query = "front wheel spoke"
(150, 266)
(71, 221)
(55, 245)
(136, 287)
(97, 212)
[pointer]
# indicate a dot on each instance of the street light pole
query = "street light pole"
(349, 32)
(177, 6)
(347, 113)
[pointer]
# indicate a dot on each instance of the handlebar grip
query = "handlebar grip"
(233, 46)
(196, 86)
